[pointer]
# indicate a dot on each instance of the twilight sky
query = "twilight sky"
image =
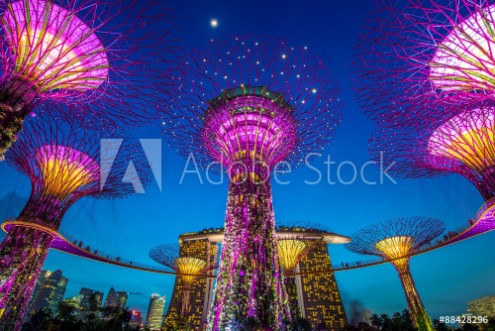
(446, 278)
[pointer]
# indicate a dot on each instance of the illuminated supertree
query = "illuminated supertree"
(396, 241)
(463, 144)
(94, 62)
(250, 104)
(290, 251)
(421, 59)
(64, 165)
(187, 266)
(426, 75)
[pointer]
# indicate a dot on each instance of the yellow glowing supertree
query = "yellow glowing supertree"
(188, 269)
(290, 251)
(94, 62)
(64, 164)
(395, 241)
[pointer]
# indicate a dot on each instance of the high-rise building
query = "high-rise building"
(136, 318)
(49, 291)
(155, 312)
(202, 245)
(317, 293)
(116, 298)
(87, 295)
(484, 306)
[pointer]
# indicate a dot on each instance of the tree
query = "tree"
(441, 326)
(399, 322)
(66, 317)
(40, 321)
(300, 324)
(94, 307)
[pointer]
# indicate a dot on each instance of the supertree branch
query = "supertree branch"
(64, 164)
(462, 144)
(225, 74)
(187, 267)
(396, 240)
(416, 53)
(92, 62)
(248, 104)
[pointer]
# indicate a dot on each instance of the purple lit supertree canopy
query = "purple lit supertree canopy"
(425, 72)
(98, 63)
(396, 240)
(250, 103)
(64, 165)
(462, 144)
(421, 59)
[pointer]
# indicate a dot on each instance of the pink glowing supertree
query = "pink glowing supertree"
(462, 144)
(395, 241)
(98, 63)
(422, 59)
(64, 165)
(250, 103)
(426, 70)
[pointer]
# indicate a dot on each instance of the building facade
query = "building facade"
(116, 298)
(49, 291)
(87, 295)
(155, 312)
(317, 292)
(203, 246)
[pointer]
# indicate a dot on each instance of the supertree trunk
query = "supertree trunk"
(11, 119)
(418, 313)
(250, 281)
(290, 285)
(185, 307)
(22, 254)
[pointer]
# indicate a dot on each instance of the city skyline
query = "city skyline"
(343, 208)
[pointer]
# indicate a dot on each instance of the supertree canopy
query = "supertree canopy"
(250, 103)
(187, 267)
(462, 144)
(290, 251)
(396, 241)
(90, 61)
(422, 58)
(426, 74)
(64, 165)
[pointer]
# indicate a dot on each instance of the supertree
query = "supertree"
(94, 62)
(64, 165)
(462, 144)
(290, 251)
(426, 75)
(396, 240)
(423, 58)
(249, 103)
(187, 266)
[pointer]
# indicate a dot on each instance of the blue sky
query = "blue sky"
(446, 278)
